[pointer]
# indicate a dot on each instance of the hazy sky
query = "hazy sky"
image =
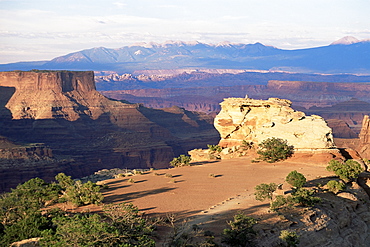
(33, 30)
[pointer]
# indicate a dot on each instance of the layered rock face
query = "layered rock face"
(364, 143)
(63, 110)
(257, 120)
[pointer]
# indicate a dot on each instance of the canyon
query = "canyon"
(61, 111)
(343, 105)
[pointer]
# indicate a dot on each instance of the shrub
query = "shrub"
(121, 225)
(290, 238)
(131, 180)
(263, 191)
(335, 186)
(168, 175)
(214, 148)
(83, 193)
(274, 149)
(241, 232)
(305, 197)
(281, 202)
(182, 160)
(295, 179)
(347, 171)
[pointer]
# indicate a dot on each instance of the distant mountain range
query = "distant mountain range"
(347, 55)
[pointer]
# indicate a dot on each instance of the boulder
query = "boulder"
(257, 120)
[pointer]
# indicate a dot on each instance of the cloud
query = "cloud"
(120, 5)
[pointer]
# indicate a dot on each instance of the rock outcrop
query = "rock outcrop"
(245, 119)
(364, 143)
(63, 111)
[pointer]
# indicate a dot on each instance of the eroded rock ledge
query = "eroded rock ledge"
(250, 120)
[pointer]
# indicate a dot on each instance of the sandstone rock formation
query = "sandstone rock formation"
(257, 120)
(62, 110)
(364, 143)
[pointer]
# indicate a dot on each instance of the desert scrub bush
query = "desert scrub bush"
(212, 175)
(347, 171)
(214, 148)
(296, 179)
(241, 231)
(264, 191)
(289, 238)
(281, 202)
(182, 160)
(77, 192)
(274, 149)
(168, 175)
(83, 193)
(131, 180)
(335, 186)
(305, 197)
(246, 144)
(120, 225)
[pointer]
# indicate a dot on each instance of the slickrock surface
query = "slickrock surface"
(257, 120)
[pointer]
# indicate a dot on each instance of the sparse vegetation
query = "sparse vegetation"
(264, 191)
(168, 175)
(20, 210)
(304, 197)
(289, 238)
(347, 171)
(241, 231)
(281, 202)
(121, 225)
(182, 160)
(274, 149)
(335, 186)
(131, 180)
(77, 192)
(214, 148)
(296, 179)
(212, 175)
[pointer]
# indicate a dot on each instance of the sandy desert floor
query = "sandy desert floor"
(194, 195)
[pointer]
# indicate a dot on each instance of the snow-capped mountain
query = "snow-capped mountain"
(347, 55)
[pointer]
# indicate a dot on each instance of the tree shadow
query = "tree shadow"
(134, 195)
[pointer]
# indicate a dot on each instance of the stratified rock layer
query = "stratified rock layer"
(257, 120)
(62, 110)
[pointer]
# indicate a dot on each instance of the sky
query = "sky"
(34, 30)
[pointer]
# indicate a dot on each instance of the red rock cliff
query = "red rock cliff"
(63, 110)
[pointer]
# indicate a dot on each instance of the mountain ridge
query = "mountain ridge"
(347, 55)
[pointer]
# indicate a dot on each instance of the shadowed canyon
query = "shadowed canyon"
(55, 121)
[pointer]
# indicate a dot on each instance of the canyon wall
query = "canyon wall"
(62, 111)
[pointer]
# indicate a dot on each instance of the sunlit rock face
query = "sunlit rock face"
(257, 120)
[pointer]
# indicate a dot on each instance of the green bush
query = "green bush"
(83, 193)
(264, 191)
(295, 179)
(241, 231)
(214, 148)
(305, 197)
(20, 214)
(121, 225)
(347, 171)
(274, 149)
(335, 186)
(281, 202)
(182, 160)
(290, 238)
